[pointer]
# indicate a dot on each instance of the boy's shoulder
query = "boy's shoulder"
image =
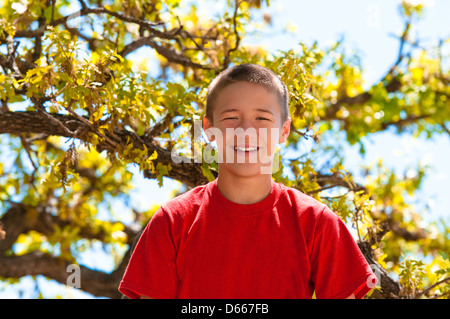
(298, 198)
(306, 207)
(311, 210)
(188, 201)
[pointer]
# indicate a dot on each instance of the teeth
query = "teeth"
(246, 149)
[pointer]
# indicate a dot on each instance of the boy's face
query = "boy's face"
(247, 126)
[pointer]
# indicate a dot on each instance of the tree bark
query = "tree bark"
(20, 219)
(95, 282)
(186, 171)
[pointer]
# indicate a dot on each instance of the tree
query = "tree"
(76, 115)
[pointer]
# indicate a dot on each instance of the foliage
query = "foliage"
(80, 109)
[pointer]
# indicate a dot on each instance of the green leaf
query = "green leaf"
(207, 172)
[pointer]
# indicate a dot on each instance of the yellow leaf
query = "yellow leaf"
(153, 156)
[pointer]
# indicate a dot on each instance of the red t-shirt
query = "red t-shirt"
(202, 245)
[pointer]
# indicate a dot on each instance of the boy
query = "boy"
(243, 235)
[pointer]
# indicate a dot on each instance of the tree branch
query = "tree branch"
(427, 290)
(390, 289)
(327, 181)
(393, 85)
(400, 55)
(186, 171)
(86, 11)
(406, 121)
(236, 34)
(11, 62)
(170, 54)
(20, 219)
(359, 99)
(2, 232)
(92, 281)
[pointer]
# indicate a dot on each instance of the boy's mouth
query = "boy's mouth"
(246, 148)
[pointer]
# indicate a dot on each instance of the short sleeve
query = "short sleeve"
(151, 270)
(338, 268)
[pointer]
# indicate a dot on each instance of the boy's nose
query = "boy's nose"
(245, 124)
(245, 136)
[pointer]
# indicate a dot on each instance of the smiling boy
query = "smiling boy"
(243, 235)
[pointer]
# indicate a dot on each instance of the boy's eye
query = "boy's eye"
(229, 118)
(262, 118)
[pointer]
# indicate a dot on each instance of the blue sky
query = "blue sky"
(367, 27)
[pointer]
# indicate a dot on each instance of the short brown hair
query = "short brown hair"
(251, 73)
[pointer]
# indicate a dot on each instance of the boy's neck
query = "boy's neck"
(245, 190)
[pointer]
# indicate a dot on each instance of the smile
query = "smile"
(246, 149)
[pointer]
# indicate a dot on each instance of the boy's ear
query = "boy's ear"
(207, 124)
(285, 130)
